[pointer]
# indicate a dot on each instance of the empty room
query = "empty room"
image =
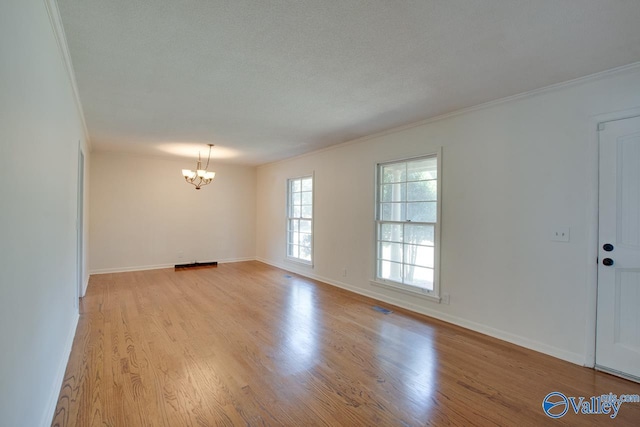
(333, 213)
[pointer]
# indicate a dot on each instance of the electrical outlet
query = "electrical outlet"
(445, 299)
(560, 234)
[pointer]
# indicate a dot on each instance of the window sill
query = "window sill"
(299, 262)
(407, 290)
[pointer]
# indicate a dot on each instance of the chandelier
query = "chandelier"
(200, 177)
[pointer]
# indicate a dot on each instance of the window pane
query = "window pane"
(407, 194)
(390, 271)
(300, 224)
(305, 253)
(393, 212)
(305, 226)
(293, 251)
(422, 169)
(394, 173)
(422, 191)
(419, 255)
(390, 251)
(419, 234)
(421, 211)
(307, 199)
(393, 192)
(391, 232)
(418, 276)
(305, 240)
(307, 184)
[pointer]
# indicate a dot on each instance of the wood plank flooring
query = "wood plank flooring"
(246, 344)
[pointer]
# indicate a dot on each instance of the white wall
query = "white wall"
(511, 172)
(39, 134)
(143, 214)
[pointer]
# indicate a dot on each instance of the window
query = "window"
(407, 224)
(300, 219)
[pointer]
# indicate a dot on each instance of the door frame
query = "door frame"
(592, 238)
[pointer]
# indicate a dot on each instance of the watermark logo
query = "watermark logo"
(556, 404)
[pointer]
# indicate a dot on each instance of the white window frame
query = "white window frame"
(289, 218)
(433, 295)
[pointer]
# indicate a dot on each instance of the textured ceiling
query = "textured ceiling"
(266, 80)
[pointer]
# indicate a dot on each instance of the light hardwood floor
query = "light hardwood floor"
(249, 344)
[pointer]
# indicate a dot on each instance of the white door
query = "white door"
(618, 315)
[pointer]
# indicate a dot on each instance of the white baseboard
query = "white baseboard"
(230, 260)
(128, 269)
(559, 353)
(159, 266)
(59, 378)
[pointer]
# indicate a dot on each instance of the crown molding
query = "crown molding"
(529, 94)
(61, 39)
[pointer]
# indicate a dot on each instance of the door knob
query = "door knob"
(607, 261)
(608, 247)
